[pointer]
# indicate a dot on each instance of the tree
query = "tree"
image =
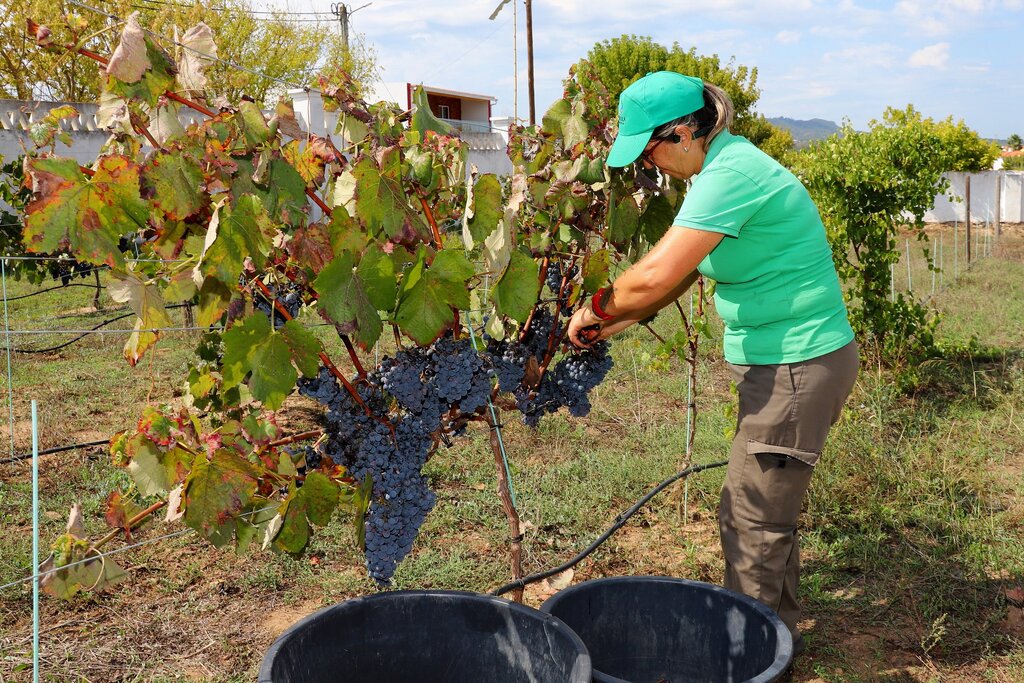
(618, 62)
(1014, 142)
(961, 148)
(871, 187)
(271, 44)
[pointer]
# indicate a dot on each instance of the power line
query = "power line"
(228, 10)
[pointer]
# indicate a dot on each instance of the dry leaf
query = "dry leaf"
(130, 60)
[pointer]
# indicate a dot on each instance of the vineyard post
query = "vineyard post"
(956, 256)
(504, 492)
(7, 344)
(35, 543)
(999, 202)
(967, 217)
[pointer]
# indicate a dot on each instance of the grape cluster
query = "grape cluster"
(417, 395)
(290, 297)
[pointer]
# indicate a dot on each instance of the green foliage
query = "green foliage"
(871, 189)
(1014, 163)
(618, 62)
(1014, 142)
(961, 148)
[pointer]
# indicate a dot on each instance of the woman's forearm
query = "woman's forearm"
(662, 275)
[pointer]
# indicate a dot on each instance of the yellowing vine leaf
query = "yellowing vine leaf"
(147, 303)
(84, 215)
(313, 503)
(216, 492)
(346, 301)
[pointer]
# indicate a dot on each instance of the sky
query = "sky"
(833, 60)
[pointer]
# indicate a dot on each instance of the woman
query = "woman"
(750, 225)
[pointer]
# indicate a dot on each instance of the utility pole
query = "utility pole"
(529, 60)
(341, 10)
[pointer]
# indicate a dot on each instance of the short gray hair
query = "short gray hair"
(717, 114)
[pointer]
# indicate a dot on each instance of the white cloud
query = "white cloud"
(786, 37)
(933, 56)
(879, 55)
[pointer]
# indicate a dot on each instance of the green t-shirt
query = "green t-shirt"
(777, 290)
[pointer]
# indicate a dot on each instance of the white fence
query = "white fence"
(987, 189)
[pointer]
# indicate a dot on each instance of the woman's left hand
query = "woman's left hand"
(584, 328)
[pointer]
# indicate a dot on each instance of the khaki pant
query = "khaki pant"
(785, 413)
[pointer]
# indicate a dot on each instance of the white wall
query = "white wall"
(983, 198)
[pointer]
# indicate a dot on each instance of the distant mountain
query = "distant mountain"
(804, 132)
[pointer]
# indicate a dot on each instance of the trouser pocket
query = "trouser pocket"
(771, 484)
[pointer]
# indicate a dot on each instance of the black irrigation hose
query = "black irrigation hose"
(619, 522)
(86, 334)
(50, 289)
(56, 449)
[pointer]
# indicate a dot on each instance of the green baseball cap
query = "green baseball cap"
(655, 99)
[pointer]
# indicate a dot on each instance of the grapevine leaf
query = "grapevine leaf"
(139, 69)
(284, 118)
(344, 193)
(214, 297)
(345, 232)
(351, 129)
(254, 125)
(303, 347)
(164, 123)
(240, 344)
(198, 52)
(119, 510)
(282, 191)
(86, 215)
(255, 523)
(130, 61)
(595, 270)
(90, 575)
(498, 247)
(216, 492)
(423, 119)
(556, 116)
(273, 376)
(310, 247)
(305, 162)
(428, 302)
(175, 182)
(234, 234)
(180, 287)
(259, 429)
(382, 206)
(345, 299)
(377, 271)
(146, 468)
(515, 293)
(147, 303)
(487, 209)
(574, 128)
(656, 218)
(314, 503)
(623, 220)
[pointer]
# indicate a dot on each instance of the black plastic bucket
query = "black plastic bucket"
(427, 637)
(651, 629)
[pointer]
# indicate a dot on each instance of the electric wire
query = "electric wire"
(55, 449)
(618, 523)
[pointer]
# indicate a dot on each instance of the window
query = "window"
(443, 111)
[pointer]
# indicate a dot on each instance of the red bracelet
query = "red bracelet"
(595, 305)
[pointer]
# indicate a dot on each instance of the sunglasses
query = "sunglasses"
(645, 155)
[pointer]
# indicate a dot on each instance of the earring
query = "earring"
(686, 149)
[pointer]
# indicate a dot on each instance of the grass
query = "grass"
(912, 529)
